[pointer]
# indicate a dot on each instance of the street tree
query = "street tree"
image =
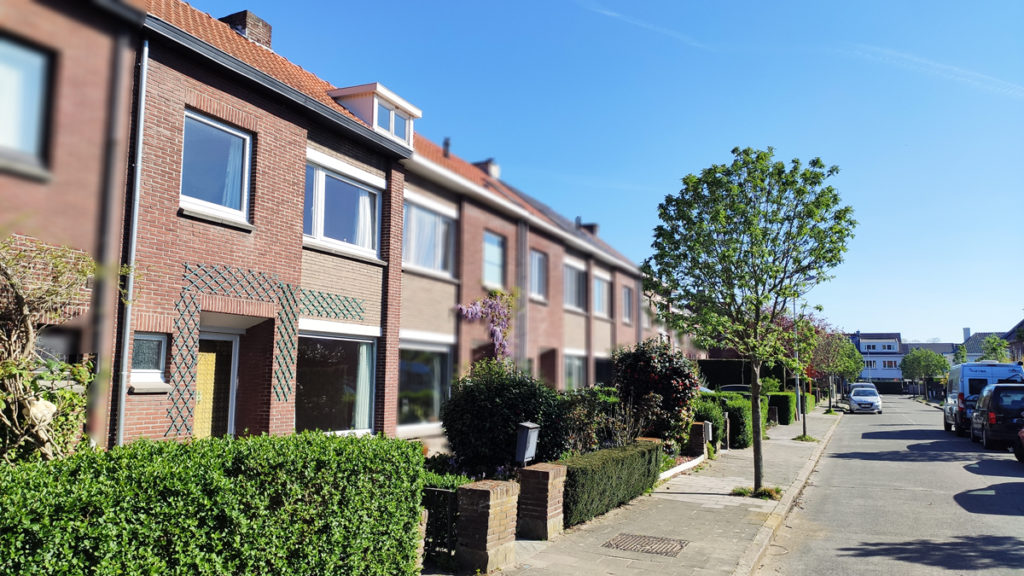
(736, 245)
(921, 364)
(994, 348)
(836, 356)
(960, 355)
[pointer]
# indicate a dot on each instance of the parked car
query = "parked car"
(998, 415)
(949, 413)
(741, 388)
(969, 378)
(865, 400)
(1018, 446)
(856, 385)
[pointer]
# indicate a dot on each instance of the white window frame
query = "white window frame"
(392, 112)
(582, 358)
(602, 300)
(545, 284)
(408, 234)
(320, 174)
(582, 272)
(430, 428)
(504, 261)
(332, 335)
(202, 206)
(151, 376)
(627, 304)
(32, 162)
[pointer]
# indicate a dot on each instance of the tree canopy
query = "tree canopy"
(960, 355)
(921, 363)
(836, 355)
(736, 245)
(994, 348)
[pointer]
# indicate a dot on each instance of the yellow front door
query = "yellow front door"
(213, 388)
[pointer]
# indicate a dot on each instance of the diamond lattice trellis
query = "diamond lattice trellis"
(332, 306)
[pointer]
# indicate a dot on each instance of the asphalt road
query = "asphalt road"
(894, 494)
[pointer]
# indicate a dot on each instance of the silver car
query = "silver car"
(865, 400)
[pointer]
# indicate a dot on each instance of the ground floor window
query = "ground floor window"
(423, 384)
(575, 372)
(334, 384)
(603, 371)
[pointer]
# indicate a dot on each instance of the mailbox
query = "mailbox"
(526, 442)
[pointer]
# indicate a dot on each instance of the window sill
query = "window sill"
(149, 388)
(576, 311)
(492, 287)
(538, 300)
(419, 430)
(215, 218)
(25, 167)
(428, 273)
(604, 317)
(329, 248)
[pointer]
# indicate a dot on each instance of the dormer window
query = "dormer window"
(381, 108)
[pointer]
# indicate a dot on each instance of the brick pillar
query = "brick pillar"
(487, 525)
(385, 417)
(698, 439)
(540, 502)
(725, 434)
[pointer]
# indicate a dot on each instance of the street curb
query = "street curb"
(681, 468)
(751, 558)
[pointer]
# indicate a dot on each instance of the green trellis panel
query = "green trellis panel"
(332, 306)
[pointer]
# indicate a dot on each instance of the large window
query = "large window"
(334, 384)
(575, 288)
(422, 384)
(494, 260)
(24, 87)
(343, 211)
(575, 372)
(428, 240)
(215, 167)
(538, 275)
(602, 297)
(627, 304)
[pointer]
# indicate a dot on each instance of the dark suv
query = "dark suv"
(998, 416)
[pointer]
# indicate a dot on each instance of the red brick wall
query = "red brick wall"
(386, 401)
(544, 321)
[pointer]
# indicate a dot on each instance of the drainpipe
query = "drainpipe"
(140, 118)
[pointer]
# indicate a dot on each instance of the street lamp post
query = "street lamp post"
(801, 414)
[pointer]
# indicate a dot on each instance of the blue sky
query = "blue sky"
(600, 108)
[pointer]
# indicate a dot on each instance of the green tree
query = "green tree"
(736, 245)
(994, 348)
(921, 364)
(835, 356)
(960, 355)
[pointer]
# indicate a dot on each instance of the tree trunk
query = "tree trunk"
(755, 412)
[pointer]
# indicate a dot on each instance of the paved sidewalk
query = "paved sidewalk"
(723, 534)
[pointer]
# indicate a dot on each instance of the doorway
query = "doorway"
(216, 378)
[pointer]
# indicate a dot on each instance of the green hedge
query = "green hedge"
(599, 481)
(707, 409)
(786, 403)
(810, 402)
(302, 504)
(741, 428)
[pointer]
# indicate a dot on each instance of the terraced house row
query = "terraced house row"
(298, 250)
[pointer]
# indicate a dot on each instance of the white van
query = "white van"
(969, 378)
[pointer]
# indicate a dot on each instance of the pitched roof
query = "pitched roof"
(973, 344)
(1014, 334)
(937, 347)
(878, 336)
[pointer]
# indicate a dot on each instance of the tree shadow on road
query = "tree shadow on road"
(938, 451)
(968, 553)
(911, 434)
(996, 467)
(998, 499)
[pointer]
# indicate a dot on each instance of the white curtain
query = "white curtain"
(425, 243)
(231, 196)
(361, 420)
(364, 227)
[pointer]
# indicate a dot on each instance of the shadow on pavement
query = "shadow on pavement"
(937, 451)
(969, 553)
(911, 434)
(998, 499)
(997, 467)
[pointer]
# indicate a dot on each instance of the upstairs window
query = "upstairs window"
(215, 167)
(343, 211)
(428, 240)
(602, 298)
(575, 288)
(627, 304)
(494, 260)
(24, 94)
(538, 275)
(392, 121)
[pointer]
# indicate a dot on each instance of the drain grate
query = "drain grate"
(670, 547)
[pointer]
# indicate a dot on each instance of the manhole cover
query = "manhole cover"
(647, 544)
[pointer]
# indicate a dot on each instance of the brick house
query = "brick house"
(65, 85)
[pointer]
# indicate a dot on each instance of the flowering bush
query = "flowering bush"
(652, 367)
(497, 309)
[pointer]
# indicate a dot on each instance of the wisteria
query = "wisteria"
(496, 308)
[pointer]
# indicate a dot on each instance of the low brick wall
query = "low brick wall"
(540, 501)
(699, 439)
(487, 525)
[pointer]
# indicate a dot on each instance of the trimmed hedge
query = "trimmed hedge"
(786, 403)
(741, 428)
(600, 481)
(810, 402)
(302, 504)
(707, 409)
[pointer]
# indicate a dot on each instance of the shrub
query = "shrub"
(302, 504)
(786, 404)
(481, 416)
(707, 409)
(598, 482)
(652, 367)
(592, 419)
(810, 402)
(741, 429)
(770, 385)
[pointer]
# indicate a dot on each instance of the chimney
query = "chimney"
(590, 227)
(251, 26)
(447, 146)
(967, 334)
(491, 167)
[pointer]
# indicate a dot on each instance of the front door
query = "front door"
(215, 375)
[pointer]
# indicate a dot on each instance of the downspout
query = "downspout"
(140, 118)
